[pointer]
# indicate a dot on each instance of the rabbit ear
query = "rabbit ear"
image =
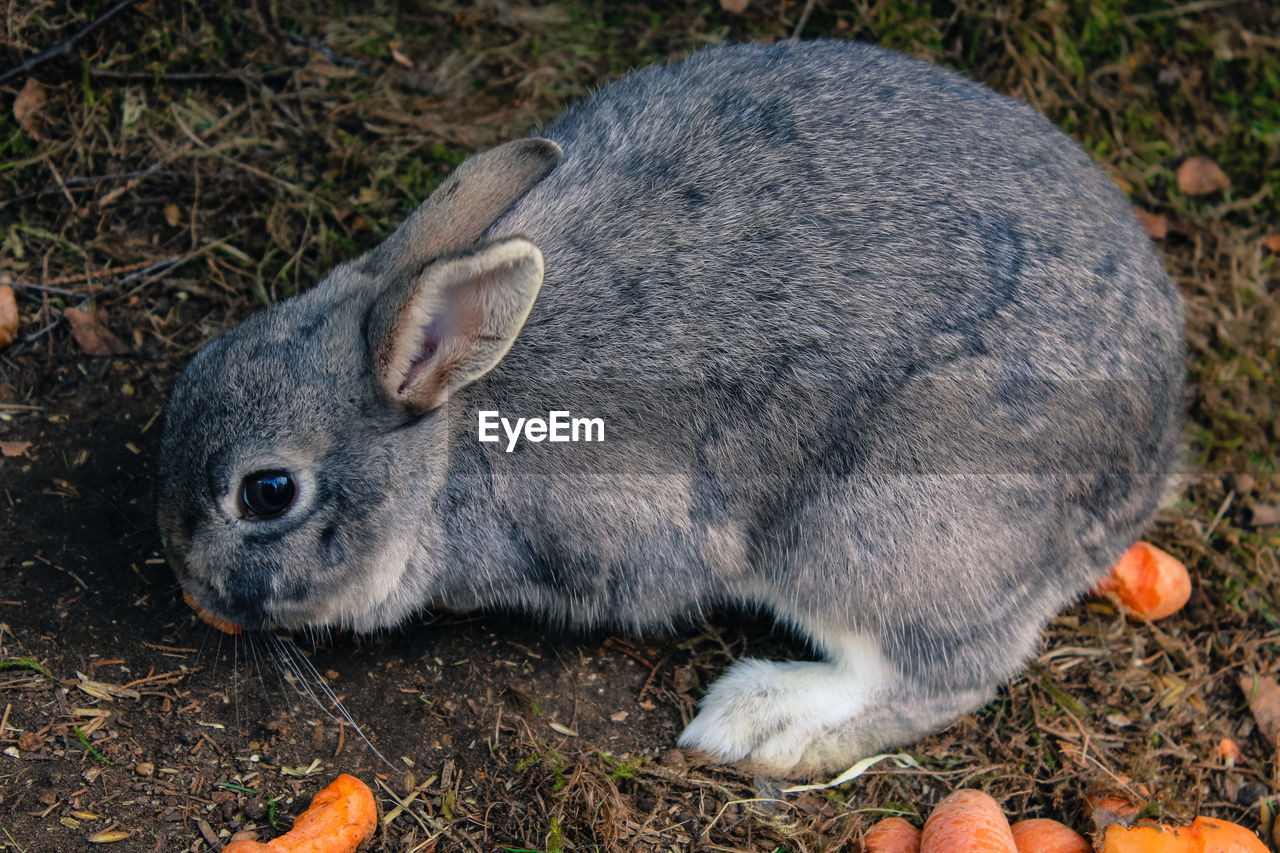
(453, 322)
(462, 208)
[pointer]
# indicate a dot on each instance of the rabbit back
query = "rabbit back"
(829, 297)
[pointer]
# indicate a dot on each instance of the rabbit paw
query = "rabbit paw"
(784, 718)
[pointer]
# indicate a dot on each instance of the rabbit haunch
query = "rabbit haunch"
(880, 351)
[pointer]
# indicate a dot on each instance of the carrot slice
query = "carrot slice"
(8, 316)
(1041, 835)
(892, 835)
(967, 821)
(340, 818)
(1204, 835)
(208, 618)
(1149, 582)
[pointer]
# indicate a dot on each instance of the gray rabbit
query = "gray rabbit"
(872, 347)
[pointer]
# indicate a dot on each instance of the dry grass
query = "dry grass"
(258, 146)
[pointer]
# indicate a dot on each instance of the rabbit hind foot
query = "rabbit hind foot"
(804, 719)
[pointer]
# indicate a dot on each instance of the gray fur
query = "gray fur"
(877, 349)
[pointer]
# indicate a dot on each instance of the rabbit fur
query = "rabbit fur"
(876, 349)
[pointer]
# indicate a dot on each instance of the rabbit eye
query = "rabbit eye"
(267, 494)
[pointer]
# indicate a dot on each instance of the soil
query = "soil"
(86, 591)
(236, 154)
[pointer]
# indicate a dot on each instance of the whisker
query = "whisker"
(272, 658)
(301, 661)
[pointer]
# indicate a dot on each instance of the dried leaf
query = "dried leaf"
(401, 58)
(737, 7)
(93, 337)
(103, 690)
(1201, 176)
(1264, 702)
(172, 214)
(1264, 515)
(28, 106)
(1154, 224)
(8, 316)
(1272, 242)
(108, 836)
(901, 759)
(300, 771)
(14, 448)
(1105, 807)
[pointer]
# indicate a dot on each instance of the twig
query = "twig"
(185, 76)
(115, 285)
(424, 820)
(134, 276)
(64, 48)
(78, 180)
(51, 285)
(610, 642)
(330, 53)
(57, 176)
(43, 288)
(1217, 519)
(1179, 11)
(648, 682)
(804, 19)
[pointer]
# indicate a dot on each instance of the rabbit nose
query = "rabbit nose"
(244, 600)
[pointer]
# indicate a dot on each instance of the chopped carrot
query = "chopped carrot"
(892, 835)
(1149, 582)
(1228, 751)
(1041, 835)
(1204, 835)
(340, 818)
(8, 316)
(208, 618)
(967, 821)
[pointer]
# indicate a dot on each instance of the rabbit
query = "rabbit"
(875, 349)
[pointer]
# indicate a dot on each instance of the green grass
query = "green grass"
(89, 748)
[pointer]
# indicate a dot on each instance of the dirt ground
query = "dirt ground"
(181, 165)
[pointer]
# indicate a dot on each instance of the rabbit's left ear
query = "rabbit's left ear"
(462, 208)
(453, 322)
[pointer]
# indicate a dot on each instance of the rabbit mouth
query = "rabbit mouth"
(378, 600)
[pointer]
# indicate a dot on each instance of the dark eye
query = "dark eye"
(267, 494)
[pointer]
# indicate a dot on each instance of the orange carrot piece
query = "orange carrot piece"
(208, 618)
(1149, 582)
(1041, 835)
(1228, 751)
(8, 316)
(340, 818)
(892, 835)
(1204, 835)
(967, 821)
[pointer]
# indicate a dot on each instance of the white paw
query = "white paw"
(770, 714)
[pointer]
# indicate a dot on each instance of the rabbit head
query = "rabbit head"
(284, 462)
